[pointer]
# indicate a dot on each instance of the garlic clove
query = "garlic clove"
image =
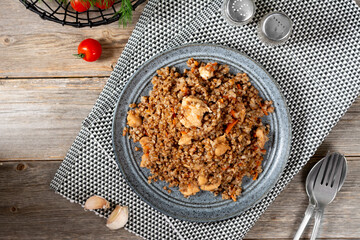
(118, 218)
(96, 202)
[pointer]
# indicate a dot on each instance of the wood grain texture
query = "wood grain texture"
(30, 210)
(32, 47)
(39, 118)
(345, 136)
(357, 2)
(341, 217)
(45, 93)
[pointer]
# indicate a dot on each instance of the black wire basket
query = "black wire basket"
(63, 13)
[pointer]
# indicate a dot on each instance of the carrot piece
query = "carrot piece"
(265, 112)
(183, 132)
(233, 113)
(185, 91)
(230, 126)
(239, 86)
(255, 177)
(233, 198)
(192, 70)
(172, 109)
(174, 121)
(221, 100)
(146, 148)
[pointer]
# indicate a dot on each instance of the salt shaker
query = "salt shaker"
(238, 12)
(275, 28)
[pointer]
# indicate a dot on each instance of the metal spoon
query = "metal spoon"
(310, 181)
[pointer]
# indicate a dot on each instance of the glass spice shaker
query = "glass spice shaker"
(275, 28)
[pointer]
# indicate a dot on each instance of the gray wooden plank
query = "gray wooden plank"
(341, 217)
(30, 210)
(32, 47)
(345, 136)
(40, 118)
(357, 2)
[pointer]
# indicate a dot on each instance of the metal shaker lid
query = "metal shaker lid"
(238, 12)
(276, 26)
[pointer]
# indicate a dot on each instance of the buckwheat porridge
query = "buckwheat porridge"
(201, 129)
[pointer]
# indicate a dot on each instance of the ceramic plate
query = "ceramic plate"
(204, 206)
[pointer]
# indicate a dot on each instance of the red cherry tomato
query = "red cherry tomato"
(79, 5)
(102, 5)
(89, 50)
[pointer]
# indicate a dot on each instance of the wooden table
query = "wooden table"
(45, 93)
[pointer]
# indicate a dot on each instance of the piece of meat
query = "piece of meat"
(231, 94)
(190, 189)
(261, 138)
(253, 105)
(242, 113)
(144, 160)
(207, 71)
(145, 142)
(185, 140)
(198, 166)
(221, 149)
(220, 145)
(133, 119)
(193, 110)
(202, 180)
(211, 187)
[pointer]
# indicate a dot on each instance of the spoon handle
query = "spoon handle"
(308, 213)
(318, 216)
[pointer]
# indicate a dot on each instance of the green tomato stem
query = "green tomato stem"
(79, 55)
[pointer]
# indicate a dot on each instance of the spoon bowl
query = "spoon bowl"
(328, 180)
(310, 181)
